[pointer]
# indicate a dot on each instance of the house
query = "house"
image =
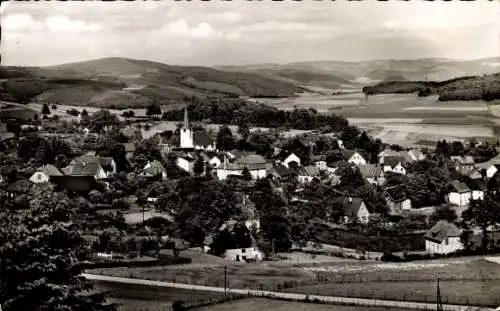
(353, 157)
(308, 173)
(374, 174)
(354, 210)
(78, 183)
(186, 162)
(387, 153)
(416, 155)
(254, 163)
(492, 170)
(44, 174)
(478, 188)
(475, 174)
(459, 193)
(280, 172)
(395, 164)
(234, 242)
(88, 164)
(198, 140)
(463, 164)
(154, 169)
(129, 150)
(443, 238)
(108, 164)
(291, 158)
(397, 200)
(321, 165)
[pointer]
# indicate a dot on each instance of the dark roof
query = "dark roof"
(78, 183)
(201, 138)
(370, 170)
(393, 161)
(396, 193)
(347, 153)
(442, 230)
(310, 170)
(282, 171)
(83, 168)
(351, 205)
(106, 163)
(476, 184)
(459, 186)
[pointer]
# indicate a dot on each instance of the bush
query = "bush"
(73, 112)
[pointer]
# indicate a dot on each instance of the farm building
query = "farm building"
(443, 238)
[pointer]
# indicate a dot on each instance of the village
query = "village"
(245, 196)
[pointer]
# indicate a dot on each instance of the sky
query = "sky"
(247, 32)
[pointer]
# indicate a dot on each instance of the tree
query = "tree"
(101, 120)
(128, 114)
(42, 254)
(444, 213)
(244, 130)
(482, 213)
(198, 166)
(153, 110)
(45, 109)
(84, 113)
(225, 139)
(246, 174)
(50, 148)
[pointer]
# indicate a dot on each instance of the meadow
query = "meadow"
(259, 304)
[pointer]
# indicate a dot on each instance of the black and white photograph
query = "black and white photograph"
(250, 155)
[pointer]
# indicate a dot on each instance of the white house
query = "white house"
(291, 158)
(353, 157)
(255, 164)
(443, 238)
(395, 164)
(242, 254)
(307, 174)
(416, 155)
(186, 163)
(372, 173)
(460, 194)
(194, 140)
(492, 170)
(354, 210)
(397, 200)
(478, 188)
(321, 165)
(215, 162)
(153, 169)
(43, 175)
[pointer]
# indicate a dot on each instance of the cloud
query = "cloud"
(59, 23)
(20, 22)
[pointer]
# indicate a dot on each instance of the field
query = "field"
(405, 118)
(134, 298)
(476, 282)
(260, 304)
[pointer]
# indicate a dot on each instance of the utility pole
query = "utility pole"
(225, 279)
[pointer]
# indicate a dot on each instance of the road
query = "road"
(289, 296)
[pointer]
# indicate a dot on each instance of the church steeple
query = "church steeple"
(186, 121)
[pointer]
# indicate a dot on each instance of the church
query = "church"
(198, 140)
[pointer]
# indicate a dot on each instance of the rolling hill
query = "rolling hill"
(127, 83)
(485, 87)
(338, 74)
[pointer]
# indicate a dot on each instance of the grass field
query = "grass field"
(260, 304)
(476, 282)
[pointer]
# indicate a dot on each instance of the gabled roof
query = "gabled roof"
(442, 230)
(51, 170)
(370, 170)
(393, 161)
(476, 184)
(201, 138)
(463, 160)
(83, 168)
(280, 171)
(351, 205)
(154, 168)
(106, 163)
(396, 193)
(475, 174)
(347, 153)
(252, 159)
(459, 186)
(310, 170)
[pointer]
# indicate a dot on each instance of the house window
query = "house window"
(446, 242)
(243, 250)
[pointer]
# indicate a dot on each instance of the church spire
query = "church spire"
(186, 121)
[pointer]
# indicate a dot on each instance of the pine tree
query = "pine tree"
(45, 109)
